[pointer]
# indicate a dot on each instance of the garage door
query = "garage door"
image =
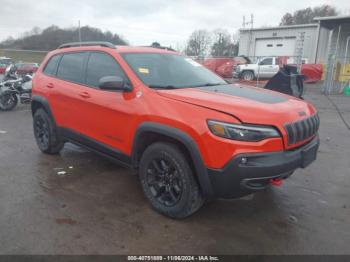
(275, 47)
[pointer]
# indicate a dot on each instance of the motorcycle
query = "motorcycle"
(14, 89)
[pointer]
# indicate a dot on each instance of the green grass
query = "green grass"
(24, 55)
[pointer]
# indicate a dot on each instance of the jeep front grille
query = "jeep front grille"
(301, 130)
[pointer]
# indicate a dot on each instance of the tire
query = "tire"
(8, 101)
(248, 76)
(168, 181)
(45, 133)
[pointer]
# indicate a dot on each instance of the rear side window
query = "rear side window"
(71, 67)
(100, 65)
(51, 66)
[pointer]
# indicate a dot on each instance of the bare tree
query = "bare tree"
(198, 43)
(223, 45)
(306, 16)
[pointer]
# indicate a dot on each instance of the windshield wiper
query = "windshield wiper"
(213, 84)
(162, 87)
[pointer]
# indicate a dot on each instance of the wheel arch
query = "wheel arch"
(149, 133)
(41, 102)
(247, 70)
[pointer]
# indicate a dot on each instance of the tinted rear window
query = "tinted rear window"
(71, 67)
(51, 67)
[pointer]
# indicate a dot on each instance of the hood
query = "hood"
(246, 103)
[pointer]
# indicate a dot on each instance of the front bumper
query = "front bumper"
(236, 74)
(238, 178)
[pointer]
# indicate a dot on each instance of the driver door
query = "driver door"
(105, 115)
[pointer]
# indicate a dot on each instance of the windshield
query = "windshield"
(170, 71)
(5, 61)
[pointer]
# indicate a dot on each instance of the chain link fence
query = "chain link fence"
(337, 75)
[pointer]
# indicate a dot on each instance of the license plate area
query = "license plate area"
(308, 156)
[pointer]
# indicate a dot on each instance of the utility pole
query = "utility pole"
(250, 22)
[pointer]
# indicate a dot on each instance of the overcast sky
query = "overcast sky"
(143, 21)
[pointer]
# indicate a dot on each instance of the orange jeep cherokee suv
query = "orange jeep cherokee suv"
(190, 135)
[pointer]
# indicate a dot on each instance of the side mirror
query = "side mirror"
(113, 83)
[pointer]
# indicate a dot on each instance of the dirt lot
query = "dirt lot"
(98, 207)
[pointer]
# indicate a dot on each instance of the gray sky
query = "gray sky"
(143, 21)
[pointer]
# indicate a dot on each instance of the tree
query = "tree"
(53, 36)
(156, 44)
(307, 15)
(198, 43)
(287, 19)
(223, 45)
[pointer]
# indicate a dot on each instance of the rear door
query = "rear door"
(68, 89)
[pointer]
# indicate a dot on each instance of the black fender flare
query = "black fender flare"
(43, 102)
(187, 141)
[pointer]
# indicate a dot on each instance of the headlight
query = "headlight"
(242, 132)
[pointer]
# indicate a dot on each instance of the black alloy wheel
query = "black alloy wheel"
(42, 133)
(164, 181)
(168, 181)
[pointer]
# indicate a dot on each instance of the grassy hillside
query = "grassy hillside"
(53, 36)
(23, 56)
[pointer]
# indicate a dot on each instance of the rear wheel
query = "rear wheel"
(8, 101)
(248, 75)
(168, 181)
(45, 133)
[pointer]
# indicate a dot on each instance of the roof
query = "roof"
(332, 21)
(142, 49)
(118, 49)
(279, 27)
(333, 18)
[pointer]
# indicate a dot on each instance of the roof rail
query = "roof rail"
(77, 44)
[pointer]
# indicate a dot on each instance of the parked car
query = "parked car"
(191, 136)
(265, 67)
(2, 69)
(26, 68)
(224, 66)
(4, 62)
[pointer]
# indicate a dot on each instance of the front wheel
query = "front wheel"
(248, 75)
(168, 181)
(8, 101)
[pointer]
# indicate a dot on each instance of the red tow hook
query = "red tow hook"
(276, 181)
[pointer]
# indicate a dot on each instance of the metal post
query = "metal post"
(335, 57)
(79, 34)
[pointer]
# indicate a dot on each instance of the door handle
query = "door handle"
(85, 95)
(50, 85)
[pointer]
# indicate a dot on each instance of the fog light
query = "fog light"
(244, 160)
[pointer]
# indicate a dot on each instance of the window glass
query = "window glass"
(71, 67)
(266, 61)
(51, 67)
(170, 71)
(100, 65)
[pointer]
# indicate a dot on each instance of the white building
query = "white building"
(291, 41)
